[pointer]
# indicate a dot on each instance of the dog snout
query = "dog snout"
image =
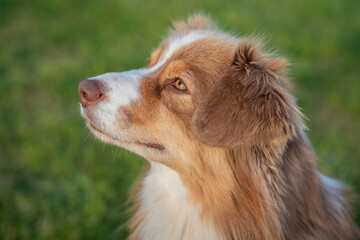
(90, 92)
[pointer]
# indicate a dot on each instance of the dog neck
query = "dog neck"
(166, 210)
(243, 193)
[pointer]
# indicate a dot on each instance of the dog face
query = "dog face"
(201, 87)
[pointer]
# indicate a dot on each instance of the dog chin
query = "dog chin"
(103, 136)
(133, 146)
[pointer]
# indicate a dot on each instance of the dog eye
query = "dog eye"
(179, 85)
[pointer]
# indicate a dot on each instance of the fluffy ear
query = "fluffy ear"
(250, 104)
(196, 21)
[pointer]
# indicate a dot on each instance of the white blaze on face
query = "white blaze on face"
(120, 90)
(177, 43)
(163, 186)
(123, 88)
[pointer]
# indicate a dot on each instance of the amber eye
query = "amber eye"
(179, 85)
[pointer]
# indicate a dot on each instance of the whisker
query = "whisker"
(116, 152)
(144, 42)
(86, 138)
(102, 151)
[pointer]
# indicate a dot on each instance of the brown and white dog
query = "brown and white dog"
(224, 139)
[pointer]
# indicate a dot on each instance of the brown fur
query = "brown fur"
(249, 105)
(236, 140)
(197, 21)
(262, 183)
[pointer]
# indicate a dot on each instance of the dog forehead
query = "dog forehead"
(196, 43)
(177, 42)
(173, 44)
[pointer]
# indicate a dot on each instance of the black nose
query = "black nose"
(90, 92)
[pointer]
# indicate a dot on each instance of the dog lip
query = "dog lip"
(153, 145)
(98, 130)
(94, 127)
(150, 145)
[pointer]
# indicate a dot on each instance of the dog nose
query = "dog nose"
(90, 92)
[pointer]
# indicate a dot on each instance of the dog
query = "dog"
(224, 139)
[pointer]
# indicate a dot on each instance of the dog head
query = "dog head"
(201, 87)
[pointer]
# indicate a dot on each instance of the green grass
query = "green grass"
(58, 183)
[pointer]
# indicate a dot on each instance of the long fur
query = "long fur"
(228, 158)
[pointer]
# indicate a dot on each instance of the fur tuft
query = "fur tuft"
(196, 21)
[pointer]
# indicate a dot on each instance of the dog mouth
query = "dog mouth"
(155, 146)
(97, 129)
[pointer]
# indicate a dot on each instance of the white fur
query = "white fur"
(177, 43)
(330, 182)
(123, 88)
(169, 214)
(334, 187)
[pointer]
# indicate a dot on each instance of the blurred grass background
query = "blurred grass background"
(58, 183)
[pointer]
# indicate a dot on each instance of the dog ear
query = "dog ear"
(250, 104)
